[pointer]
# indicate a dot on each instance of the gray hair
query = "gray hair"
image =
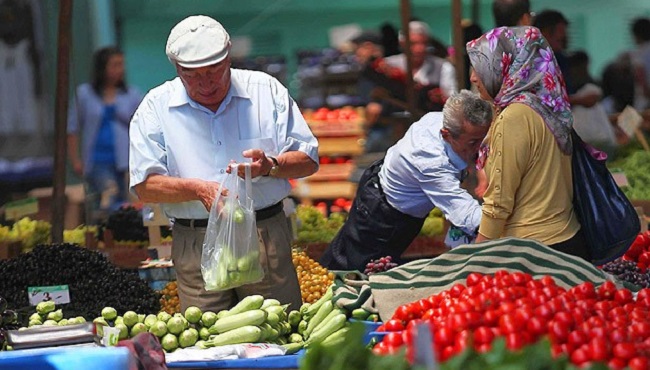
(465, 106)
(418, 28)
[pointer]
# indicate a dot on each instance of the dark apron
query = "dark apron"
(373, 229)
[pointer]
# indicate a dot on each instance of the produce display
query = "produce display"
(93, 281)
(8, 321)
(636, 167)
(587, 324)
(314, 279)
(314, 227)
(169, 301)
(78, 234)
(633, 266)
(29, 232)
(379, 265)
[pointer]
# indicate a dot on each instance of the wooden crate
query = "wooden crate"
(307, 191)
(333, 172)
(10, 249)
(348, 145)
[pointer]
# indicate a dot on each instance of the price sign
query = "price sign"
(60, 294)
(20, 208)
(629, 121)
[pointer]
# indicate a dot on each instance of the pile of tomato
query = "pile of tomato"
(588, 324)
(639, 251)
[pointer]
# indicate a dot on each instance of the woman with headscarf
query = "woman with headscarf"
(527, 152)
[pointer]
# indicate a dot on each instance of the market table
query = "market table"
(67, 358)
(273, 362)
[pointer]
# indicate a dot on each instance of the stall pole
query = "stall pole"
(61, 118)
(405, 11)
(459, 46)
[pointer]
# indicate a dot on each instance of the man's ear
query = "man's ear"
(445, 133)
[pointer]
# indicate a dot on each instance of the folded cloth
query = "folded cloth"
(146, 350)
(423, 278)
(351, 290)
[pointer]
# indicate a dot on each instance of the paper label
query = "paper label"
(20, 208)
(60, 294)
(629, 121)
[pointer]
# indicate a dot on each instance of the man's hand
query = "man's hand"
(260, 163)
(207, 193)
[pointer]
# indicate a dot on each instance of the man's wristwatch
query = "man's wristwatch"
(275, 168)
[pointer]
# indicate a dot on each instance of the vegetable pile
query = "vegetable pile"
(314, 279)
(93, 281)
(588, 324)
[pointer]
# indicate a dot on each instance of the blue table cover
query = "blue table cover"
(272, 362)
(66, 358)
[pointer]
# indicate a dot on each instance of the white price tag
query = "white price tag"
(629, 121)
(60, 294)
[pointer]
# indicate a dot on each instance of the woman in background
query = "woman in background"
(527, 152)
(99, 119)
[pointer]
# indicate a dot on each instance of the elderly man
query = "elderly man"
(422, 171)
(185, 133)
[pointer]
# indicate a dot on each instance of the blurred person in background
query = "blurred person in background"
(641, 58)
(98, 120)
(591, 123)
(511, 13)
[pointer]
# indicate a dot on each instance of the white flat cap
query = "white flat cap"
(197, 41)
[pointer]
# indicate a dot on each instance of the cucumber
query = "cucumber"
(294, 318)
(336, 323)
(360, 314)
(302, 326)
(322, 313)
(278, 310)
(270, 302)
(336, 337)
(295, 338)
(244, 334)
(272, 319)
(322, 323)
(293, 347)
(305, 306)
(313, 309)
(254, 317)
(252, 302)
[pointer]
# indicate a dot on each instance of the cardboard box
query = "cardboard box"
(9, 250)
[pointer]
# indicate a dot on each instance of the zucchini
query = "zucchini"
(295, 338)
(360, 314)
(294, 318)
(244, 334)
(302, 326)
(305, 306)
(293, 347)
(252, 302)
(336, 337)
(322, 313)
(313, 309)
(327, 318)
(272, 319)
(336, 323)
(278, 310)
(254, 317)
(270, 302)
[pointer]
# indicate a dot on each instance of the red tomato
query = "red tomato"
(473, 279)
(521, 278)
(644, 258)
(639, 363)
(606, 290)
(456, 290)
(394, 325)
(599, 349)
(514, 341)
(577, 338)
(547, 281)
(444, 337)
(380, 349)
(623, 296)
(509, 323)
(490, 317)
(624, 351)
(423, 305)
(616, 364)
(580, 356)
(618, 335)
(483, 335)
(565, 318)
(536, 326)
(394, 339)
(558, 332)
(640, 330)
(585, 290)
(404, 313)
(643, 293)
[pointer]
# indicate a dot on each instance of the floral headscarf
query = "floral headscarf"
(517, 65)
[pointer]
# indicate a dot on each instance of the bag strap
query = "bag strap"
(248, 178)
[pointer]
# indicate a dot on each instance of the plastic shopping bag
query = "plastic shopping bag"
(231, 252)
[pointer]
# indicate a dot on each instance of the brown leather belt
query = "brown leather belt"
(260, 215)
